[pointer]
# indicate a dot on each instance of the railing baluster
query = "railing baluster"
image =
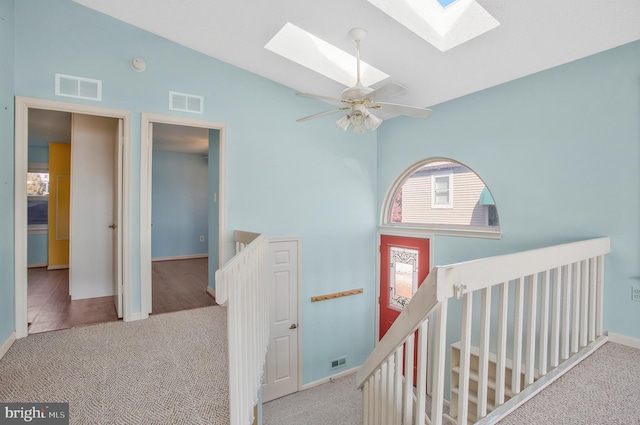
(530, 354)
(390, 392)
(575, 309)
(592, 299)
(397, 417)
(566, 312)
(465, 358)
(501, 355)
(377, 398)
(518, 313)
(408, 380)
(544, 323)
(383, 391)
(365, 403)
(439, 347)
(556, 314)
(421, 384)
(584, 308)
(600, 297)
(483, 366)
(372, 399)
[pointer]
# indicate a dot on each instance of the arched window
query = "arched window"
(443, 196)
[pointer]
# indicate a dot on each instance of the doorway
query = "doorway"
(76, 213)
(164, 140)
(404, 265)
(182, 158)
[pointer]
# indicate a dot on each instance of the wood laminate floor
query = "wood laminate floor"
(177, 285)
(50, 307)
(180, 285)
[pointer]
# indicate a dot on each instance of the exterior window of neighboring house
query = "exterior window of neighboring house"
(444, 197)
(37, 197)
(442, 191)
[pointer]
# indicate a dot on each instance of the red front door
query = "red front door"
(404, 265)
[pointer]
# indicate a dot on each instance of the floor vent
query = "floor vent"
(78, 87)
(185, 102)
(338, 362)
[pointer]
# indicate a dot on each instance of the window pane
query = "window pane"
(37, 212)
(403, 276)
(37, 184)
(443, 193)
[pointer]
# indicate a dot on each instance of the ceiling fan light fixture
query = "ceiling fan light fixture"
(373, 121)
(357, 118)
(343, 123)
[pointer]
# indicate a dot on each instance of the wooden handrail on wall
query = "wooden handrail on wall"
(336, 295)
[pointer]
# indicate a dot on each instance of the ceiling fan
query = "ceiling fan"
(359, 100)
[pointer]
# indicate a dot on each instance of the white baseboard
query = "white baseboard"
(211, 292)
(36, 265)
(624, 340)
(7, 344)
(180, 257)
(329, 378)
(58, 267)
(135, 316)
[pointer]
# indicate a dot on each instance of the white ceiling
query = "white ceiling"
(533, 35)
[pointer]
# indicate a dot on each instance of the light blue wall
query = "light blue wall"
(179, 204)
(38, 154)
(560, 152)
(283, 178)
(37, 249)
(7, 52)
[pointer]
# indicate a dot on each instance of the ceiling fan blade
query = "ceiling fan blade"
(387, 92)
(332, 100)
(410, 111)
(322, 114)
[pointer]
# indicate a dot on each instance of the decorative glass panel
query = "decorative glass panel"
(403, 276)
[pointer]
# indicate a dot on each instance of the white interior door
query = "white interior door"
(281, 368)
(117, 217)
(92, 205)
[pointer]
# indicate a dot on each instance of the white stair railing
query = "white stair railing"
(560, 324)
(241, 285)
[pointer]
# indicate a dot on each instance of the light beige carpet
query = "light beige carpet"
(168, 369)
(604, 389)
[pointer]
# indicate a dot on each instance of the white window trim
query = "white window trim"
(411, 229)
(448, 205)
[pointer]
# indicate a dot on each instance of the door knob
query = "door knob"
(294, 326)
(113, 226)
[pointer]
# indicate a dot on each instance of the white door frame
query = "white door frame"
(22, 105)
(146, 147)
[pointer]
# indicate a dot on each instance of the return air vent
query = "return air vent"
(78, 87)
(185, 102)
(338, 362)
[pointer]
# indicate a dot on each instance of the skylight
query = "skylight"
(445, 3)
(443, 27)
(312, 52)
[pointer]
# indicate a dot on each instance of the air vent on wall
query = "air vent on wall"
(78, 87)
(185, 102)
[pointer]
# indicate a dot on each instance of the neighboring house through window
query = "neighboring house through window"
(445, 197)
